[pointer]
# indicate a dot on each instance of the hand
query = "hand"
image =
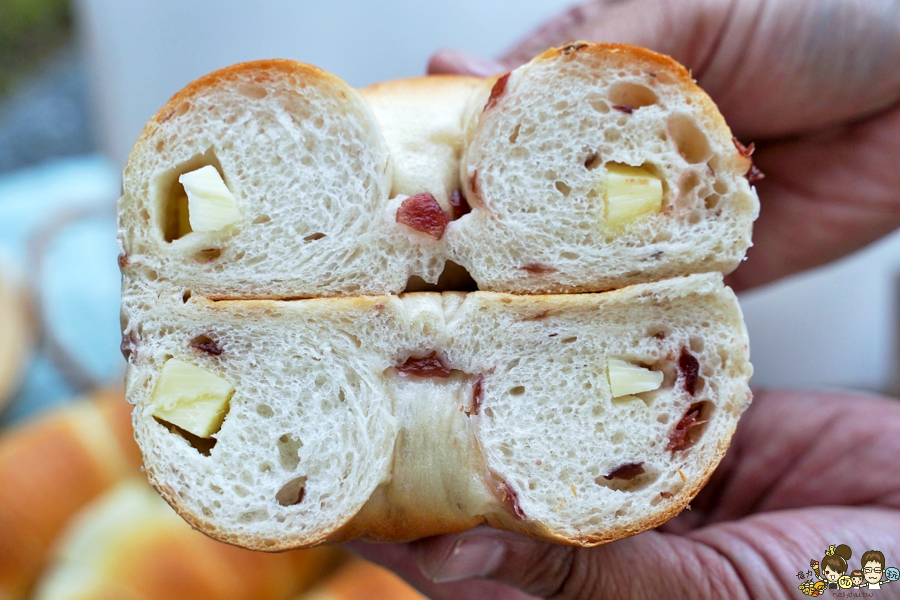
(805, 470)
(815, 83)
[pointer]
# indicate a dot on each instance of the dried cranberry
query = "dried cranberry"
(423, 213)
(428, 366)
(690, 370)
(628, 471)
(206, 344)
(745, 151)
(459, 204)
(754, 174)
(679, 437)
(477, 395)
(496, 92)
(510, 499)
(537, 268)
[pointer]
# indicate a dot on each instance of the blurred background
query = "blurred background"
(78, 79)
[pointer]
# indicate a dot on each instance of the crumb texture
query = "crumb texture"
(406, 416)
(323, 178)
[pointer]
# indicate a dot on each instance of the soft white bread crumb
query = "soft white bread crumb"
(309, 171)
(318, 173)
(536, 162)
(331, 434)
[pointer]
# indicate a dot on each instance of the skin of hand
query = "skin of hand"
(816, 84)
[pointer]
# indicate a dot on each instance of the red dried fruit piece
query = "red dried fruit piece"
(628, 471)
(510, 499)
(537, 268)
(477, 395)
(625, 108)
(745, 151)
(754, 174)
(129, 344)
(459, 204)
(423, 213)
(428, 366)
(206, 344)
(538, 316)
(496, 92)
(123, 260)
(690, 370)
(679, 437)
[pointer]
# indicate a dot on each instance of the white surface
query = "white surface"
(143, 52)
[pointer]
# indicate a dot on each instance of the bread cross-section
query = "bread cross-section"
(575, 418)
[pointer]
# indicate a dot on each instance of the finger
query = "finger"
(790, 448)
(755, 557)
(824, 197)
(773, 68)
(404, 560)
(457, 62)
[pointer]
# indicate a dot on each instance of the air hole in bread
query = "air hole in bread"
(515, 134)
(517, 391)
(688, 182)
(206, 344)
(690, 427)
(592, 161)
(599, 104)
(252, 90)
(659, 332)
(262, 219)
(289, 451)
(696, 344)
(172, 199)
(254, 516)
(453, 278)
(634, 482)
(207, 255)
(202, 445)
(569, 340)
(186, 296)
(690, 141)
(292, 493)
(265, 411)
(314, 237)
(711, 202)
(563, 188)
(634, 95)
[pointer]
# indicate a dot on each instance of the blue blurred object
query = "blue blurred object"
(57, 227)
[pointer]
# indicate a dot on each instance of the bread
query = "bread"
(331, 434)
(17, 333)
(129, 545)
(362, 580)
(328, 182)
(49, 469)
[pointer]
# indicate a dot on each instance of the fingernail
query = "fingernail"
(473, 64)
(473, 556)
